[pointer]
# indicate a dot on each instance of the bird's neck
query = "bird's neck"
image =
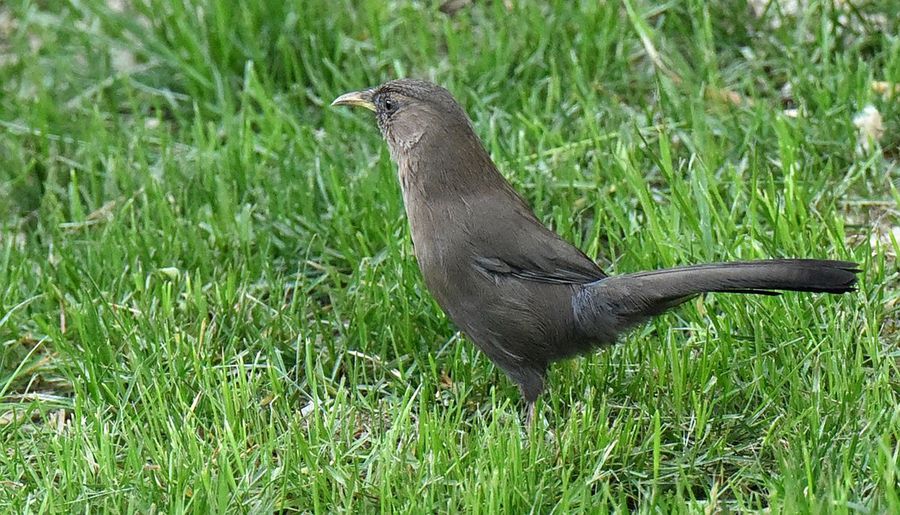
(455, 166)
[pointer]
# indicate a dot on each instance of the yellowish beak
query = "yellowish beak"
(356, 98)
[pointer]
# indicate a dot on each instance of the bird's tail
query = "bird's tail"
(608, 306)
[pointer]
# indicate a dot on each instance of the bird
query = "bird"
(521, 293)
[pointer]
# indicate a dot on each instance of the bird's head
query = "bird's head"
(411, 112)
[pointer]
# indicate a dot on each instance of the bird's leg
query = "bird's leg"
(529, 414)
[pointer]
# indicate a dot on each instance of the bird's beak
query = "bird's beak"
(356, 98)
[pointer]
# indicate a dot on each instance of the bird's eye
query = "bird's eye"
(389, 105)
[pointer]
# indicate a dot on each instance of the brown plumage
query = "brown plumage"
(522, 294)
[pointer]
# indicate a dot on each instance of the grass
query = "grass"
(208, 299)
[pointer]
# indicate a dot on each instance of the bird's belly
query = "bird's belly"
(504, 315)
(508, 318)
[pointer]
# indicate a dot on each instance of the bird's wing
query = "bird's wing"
(538, 254)
(512, 242)
(546, 272)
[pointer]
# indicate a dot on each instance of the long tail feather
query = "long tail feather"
(606, 307)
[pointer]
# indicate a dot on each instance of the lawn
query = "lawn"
(209, 301)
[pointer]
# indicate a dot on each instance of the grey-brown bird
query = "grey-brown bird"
(521, 293)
